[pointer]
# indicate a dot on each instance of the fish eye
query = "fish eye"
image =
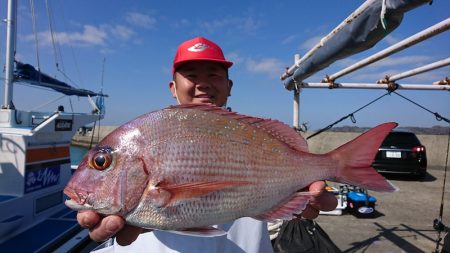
(101, 160)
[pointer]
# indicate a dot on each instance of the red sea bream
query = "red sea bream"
(191, 166)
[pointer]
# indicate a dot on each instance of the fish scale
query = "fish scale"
(219, 164)
(197, 165)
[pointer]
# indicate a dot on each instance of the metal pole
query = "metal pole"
(418, 37)
(10, 50)
(346, 21)
(431, 66)
(442, 82)
(376, 86)
(296, 116)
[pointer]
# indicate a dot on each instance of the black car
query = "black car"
(402, 152)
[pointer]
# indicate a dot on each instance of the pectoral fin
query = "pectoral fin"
(168, 194)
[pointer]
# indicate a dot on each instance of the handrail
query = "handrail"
(375, 86)
(416, 71)
(44, 122)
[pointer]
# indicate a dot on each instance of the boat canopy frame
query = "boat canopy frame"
(374, 19)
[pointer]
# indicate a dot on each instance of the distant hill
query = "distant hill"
(435, 130)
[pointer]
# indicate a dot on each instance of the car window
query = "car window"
(401, 139)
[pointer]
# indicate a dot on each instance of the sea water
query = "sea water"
(76, 154)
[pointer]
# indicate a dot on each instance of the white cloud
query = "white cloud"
(90, 35)
(391, 40)
(121, 32)
(235, 57)
(141, 20)
(310, 43)
(270, 66)
(247, 24)
(289, 39)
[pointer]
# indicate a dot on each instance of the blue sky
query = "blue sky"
(138, 40)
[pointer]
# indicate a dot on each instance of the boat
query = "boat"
(35, 162)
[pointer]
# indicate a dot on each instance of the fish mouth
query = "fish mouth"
(75, 206)
(77, 199)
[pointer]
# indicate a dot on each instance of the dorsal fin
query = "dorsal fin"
(277, 129)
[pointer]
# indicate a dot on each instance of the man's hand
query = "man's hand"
(103, 228)
(321, 200)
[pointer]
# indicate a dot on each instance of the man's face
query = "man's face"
(201, 82)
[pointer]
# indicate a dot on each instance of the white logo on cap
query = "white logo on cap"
(198, 47)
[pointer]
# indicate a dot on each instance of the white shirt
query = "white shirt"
(245, 235)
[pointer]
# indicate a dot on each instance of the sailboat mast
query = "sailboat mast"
(11, 25)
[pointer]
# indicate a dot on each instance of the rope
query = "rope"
(92, 136)
(50, 24)
(351, 115)
(438, 223)
(35, 36)
(72, 52)
(52, 101)
(98, 132)
(437, 115)
(56, 50)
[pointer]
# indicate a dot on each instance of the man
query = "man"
(200, 75)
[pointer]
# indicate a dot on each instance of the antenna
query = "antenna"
(103, 74)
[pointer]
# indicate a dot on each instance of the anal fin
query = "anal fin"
(200, 232)
(287, 211)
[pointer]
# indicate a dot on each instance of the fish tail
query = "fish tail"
(354, 160)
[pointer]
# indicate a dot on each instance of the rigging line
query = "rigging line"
(103, 73)
(98, 132)
(441, 208)
(24, 83)
(50, 23)
(351, 115)
(68, 78)
(52, 101)
(437, 115)
(47, 89)
(56, 50)
(71, 109)
(77, 68)
(35, 36)
(92, 136)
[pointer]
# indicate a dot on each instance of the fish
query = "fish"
(185, 168)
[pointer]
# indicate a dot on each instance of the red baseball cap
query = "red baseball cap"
(199, 49)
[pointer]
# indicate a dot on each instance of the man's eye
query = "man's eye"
(215, 75)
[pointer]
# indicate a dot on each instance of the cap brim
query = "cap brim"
(226, 64)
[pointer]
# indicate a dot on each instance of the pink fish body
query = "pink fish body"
(192, 166)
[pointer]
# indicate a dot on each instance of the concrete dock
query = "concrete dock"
(403, 220)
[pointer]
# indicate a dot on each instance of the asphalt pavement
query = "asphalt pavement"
(403, 220)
